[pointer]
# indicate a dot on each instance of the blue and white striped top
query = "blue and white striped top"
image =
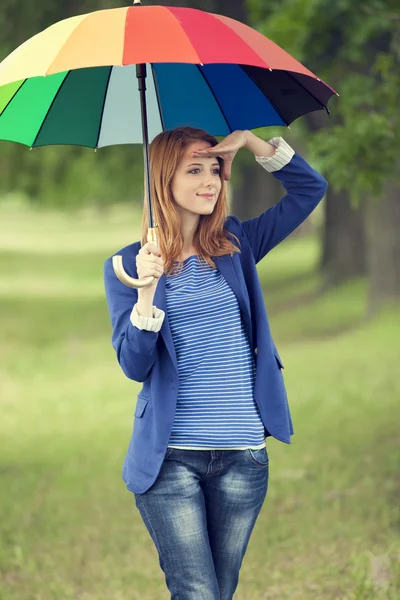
(215, 405)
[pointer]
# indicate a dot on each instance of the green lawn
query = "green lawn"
(329, 529)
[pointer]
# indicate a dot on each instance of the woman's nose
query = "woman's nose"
(208, 181)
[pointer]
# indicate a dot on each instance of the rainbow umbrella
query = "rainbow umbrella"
(82, 81)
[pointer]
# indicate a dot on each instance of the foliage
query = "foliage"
(354, 47)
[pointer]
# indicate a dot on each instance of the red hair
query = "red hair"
(210, 238)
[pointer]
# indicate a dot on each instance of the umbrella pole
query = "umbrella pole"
(151, 232)
(141, 74)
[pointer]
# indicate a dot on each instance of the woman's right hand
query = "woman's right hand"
(149, 262)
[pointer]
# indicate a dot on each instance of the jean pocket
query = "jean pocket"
(259, 457)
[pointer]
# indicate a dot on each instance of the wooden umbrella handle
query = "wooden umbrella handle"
(123, 275)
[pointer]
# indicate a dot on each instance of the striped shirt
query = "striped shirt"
(215, 404)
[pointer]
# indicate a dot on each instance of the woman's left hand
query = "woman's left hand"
(227, 149)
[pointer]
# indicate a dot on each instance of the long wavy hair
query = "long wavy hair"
(210, 238)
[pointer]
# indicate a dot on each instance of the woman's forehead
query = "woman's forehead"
(197, 145)
(188, 152)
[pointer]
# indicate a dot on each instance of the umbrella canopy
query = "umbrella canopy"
(76, 82)
(82, 82)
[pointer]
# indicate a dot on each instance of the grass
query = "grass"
(329, 528)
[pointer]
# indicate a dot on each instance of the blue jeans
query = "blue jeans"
(200, 513)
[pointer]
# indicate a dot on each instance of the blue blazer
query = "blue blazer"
(149, 357)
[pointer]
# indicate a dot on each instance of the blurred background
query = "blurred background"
(329, 528)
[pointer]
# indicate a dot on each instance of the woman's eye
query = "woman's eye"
(216, 171)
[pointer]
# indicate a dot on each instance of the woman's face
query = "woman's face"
(196, 176)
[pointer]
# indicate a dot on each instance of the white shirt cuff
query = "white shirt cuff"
(283, 155)
(153, 323)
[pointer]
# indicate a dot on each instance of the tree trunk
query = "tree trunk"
(256, 191)
(344, 239)
(343, 235)
(384, 249)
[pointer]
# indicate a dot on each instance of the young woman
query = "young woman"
(199, 340)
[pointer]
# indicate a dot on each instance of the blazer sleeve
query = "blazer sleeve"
(135, 348)
(305, 189)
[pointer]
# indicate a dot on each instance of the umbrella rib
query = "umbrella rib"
(49, 109)
(215, 98)
(104, 104)
(264, 94)
(158, 97)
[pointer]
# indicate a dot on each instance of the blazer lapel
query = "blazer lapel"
(227, 267)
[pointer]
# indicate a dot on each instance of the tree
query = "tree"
(343, 235)
(356, 48)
